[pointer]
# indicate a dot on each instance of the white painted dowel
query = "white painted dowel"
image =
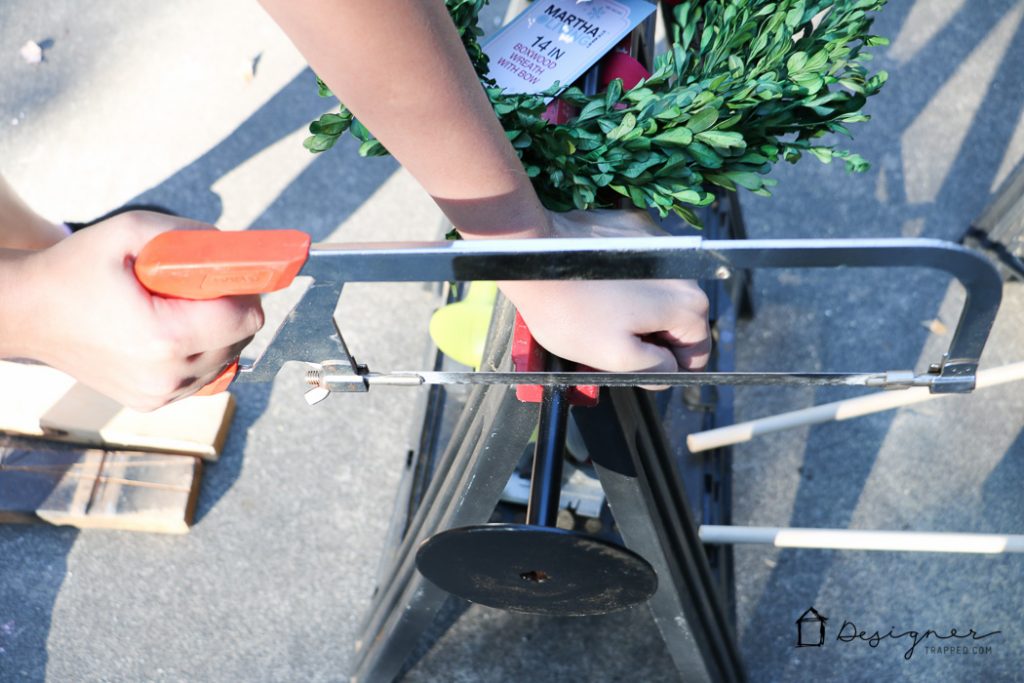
(855, 539)
(839, 410)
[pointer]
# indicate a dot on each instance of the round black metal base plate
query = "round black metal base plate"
(534, 569)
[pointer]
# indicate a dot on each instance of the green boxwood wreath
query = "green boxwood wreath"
(745, 84)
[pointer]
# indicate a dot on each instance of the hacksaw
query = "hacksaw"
(207, 264)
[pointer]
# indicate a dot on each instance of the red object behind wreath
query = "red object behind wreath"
(528, 356)
(559, 112)
(616, 64)
(621, 65)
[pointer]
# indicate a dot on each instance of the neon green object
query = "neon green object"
(460, 329)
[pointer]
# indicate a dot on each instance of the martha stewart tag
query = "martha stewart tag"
(558, 40)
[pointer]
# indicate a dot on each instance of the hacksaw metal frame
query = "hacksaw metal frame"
(311, 336)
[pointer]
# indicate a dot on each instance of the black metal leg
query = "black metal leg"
(648, 502)
(730, 226)
(441, 489)
(410, 604)
(465, 490)
(416, 477)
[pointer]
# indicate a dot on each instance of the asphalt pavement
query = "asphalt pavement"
(203, 106)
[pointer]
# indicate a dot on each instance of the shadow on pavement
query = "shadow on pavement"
(966, 189)
(309, 203)
(313, 202)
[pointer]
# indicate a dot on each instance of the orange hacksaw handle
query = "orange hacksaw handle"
(207, 264)
(221, 382)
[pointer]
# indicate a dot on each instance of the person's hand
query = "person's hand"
(85, 313)
(616, 325)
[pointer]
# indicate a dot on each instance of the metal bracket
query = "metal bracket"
(309, 333)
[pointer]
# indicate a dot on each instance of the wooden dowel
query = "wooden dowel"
(856, 539)
(838, 410)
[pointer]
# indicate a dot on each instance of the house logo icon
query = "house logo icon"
(810, 629)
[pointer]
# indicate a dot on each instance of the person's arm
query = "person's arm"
(20, 226)
(402, 70)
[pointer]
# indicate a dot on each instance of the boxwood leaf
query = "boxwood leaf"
(702, 120)
(627, 124)
(679, 136)
(722, 139)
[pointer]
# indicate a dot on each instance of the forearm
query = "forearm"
(20, 226)
(13, 294)
(401, 68)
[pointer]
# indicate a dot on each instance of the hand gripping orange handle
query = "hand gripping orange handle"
(207, 264)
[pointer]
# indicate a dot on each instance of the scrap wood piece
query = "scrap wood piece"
(95, 489)
(36, 400)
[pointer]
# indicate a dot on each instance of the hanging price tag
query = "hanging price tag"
(557, 40)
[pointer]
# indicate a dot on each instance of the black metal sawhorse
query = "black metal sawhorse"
(641, 473)
(638, 473)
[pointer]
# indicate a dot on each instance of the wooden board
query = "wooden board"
(36, 400)
(94, 489)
